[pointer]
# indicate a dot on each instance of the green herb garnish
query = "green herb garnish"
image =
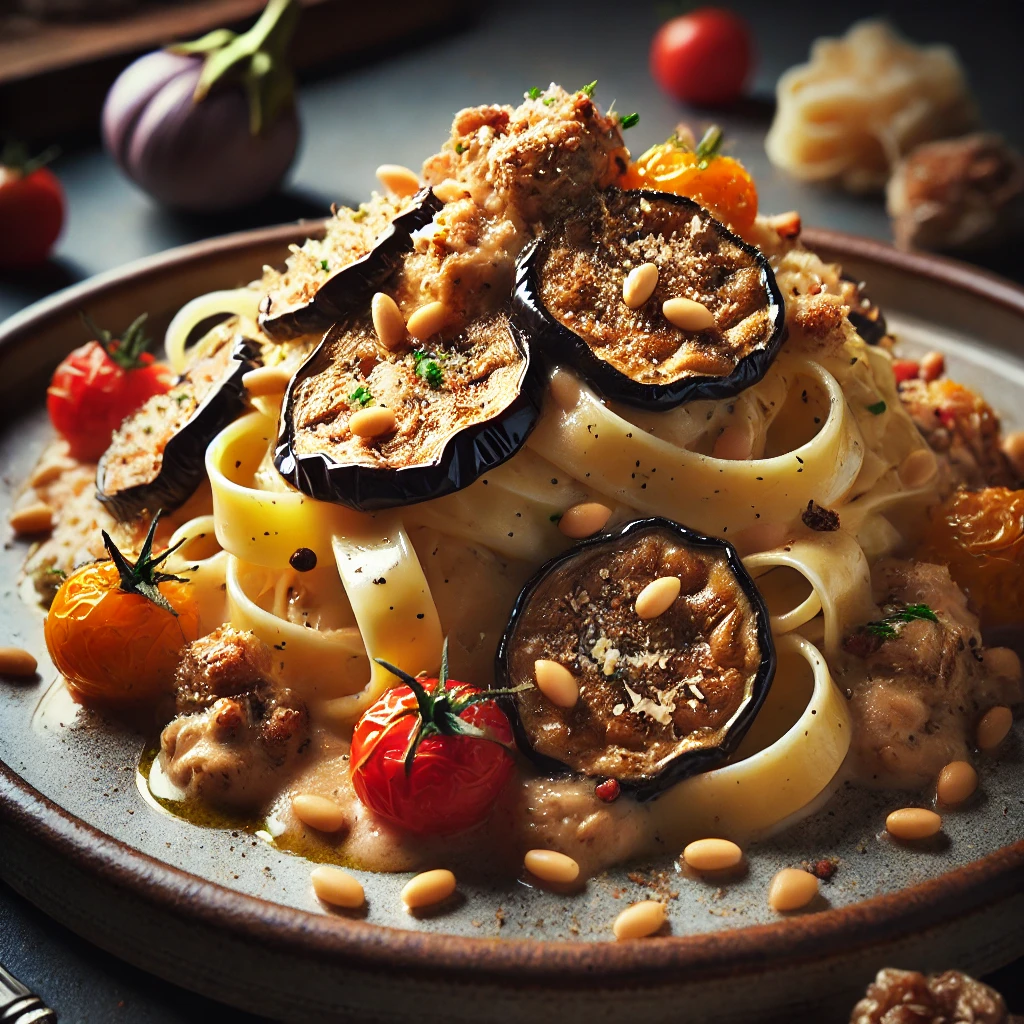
(427, 368)
(361, 395)
(886, 628)
(549, 101)
(534, 93)
(588, 89)
(181, 397)
(629, 120)
(324, 265)
(877, 408)
(460, 148)
(141, 577)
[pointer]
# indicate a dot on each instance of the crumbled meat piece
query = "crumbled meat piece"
(961, 428)
(908, 997)
(545, 153)
(817, 517)
(237, 730)
(917, 695)
(819, 315)
(957, 194)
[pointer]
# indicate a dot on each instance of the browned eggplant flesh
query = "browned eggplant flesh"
(660, 697)
(372, 427)
(155, 458)
(571, 295)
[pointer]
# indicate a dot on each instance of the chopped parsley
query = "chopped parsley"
(361, 395)
(877, 408)
(427, 368)
(460, 148)
(181, 397)
(324, 265)
(548, 101)
(629, 120)
(588, 89)
(886, 628)
(534, 93)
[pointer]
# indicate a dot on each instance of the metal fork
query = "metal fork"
(18, 1005)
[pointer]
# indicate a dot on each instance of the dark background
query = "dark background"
(394, 104)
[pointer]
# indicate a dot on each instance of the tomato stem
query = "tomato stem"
(140, 577)
(131, 350)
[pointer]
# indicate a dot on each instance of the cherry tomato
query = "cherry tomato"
(99, 384)
(432, 756)
(115, 629)
(31, 209)
(703, 57)
(719, 183)
(980, 536)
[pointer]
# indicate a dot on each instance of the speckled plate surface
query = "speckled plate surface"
(228, 914)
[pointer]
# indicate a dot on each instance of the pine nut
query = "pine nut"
(450, 190)
(337, 887)
(388, 321)
(957, 781)
(45, 473)
(318, 812)
(639, 285)
(16, 661)
(1002, 662)
(639, 920)
(551, 866)
(584, 519)
(399, 180)
(792, 889)
(918, 468)
(993, 727)
(688, 315)
(933, 365)
(1013, 447)
(266, 380)
(556, 682)
(712, 855)
(426, 321)
(657, 597)
(913, 823)
(372, 422)
(32, 519)
(428, 888)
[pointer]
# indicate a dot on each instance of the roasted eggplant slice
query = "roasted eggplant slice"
(669, 678)
(327, 285)
(440, 414)
(155, 459)
(570, 302)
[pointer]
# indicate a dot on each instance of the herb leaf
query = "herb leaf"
(324, 265)
(629, 120)
(886, 628)
(588, 89)
(361, 395)
(460, 148)
(428, 369)
(876, 408)
(534, 93)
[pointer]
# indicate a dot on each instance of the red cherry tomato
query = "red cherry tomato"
(413, 765)
(99, 384)
(31, 211)
(703, 57)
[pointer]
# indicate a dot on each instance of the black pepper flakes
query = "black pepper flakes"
(816, 517)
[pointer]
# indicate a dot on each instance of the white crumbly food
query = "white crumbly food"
(863, 101)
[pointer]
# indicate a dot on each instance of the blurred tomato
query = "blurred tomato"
(31, 209)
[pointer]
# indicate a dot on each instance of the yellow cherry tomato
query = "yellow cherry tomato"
(113, 644)
(719, 183)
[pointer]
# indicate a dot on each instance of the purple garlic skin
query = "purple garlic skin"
(199, 157)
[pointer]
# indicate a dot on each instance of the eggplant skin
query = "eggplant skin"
(561, 345)
(688, 763)
(350, 287)
(468, 455)
(183, 466)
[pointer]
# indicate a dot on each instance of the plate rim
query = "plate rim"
(812, 936)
